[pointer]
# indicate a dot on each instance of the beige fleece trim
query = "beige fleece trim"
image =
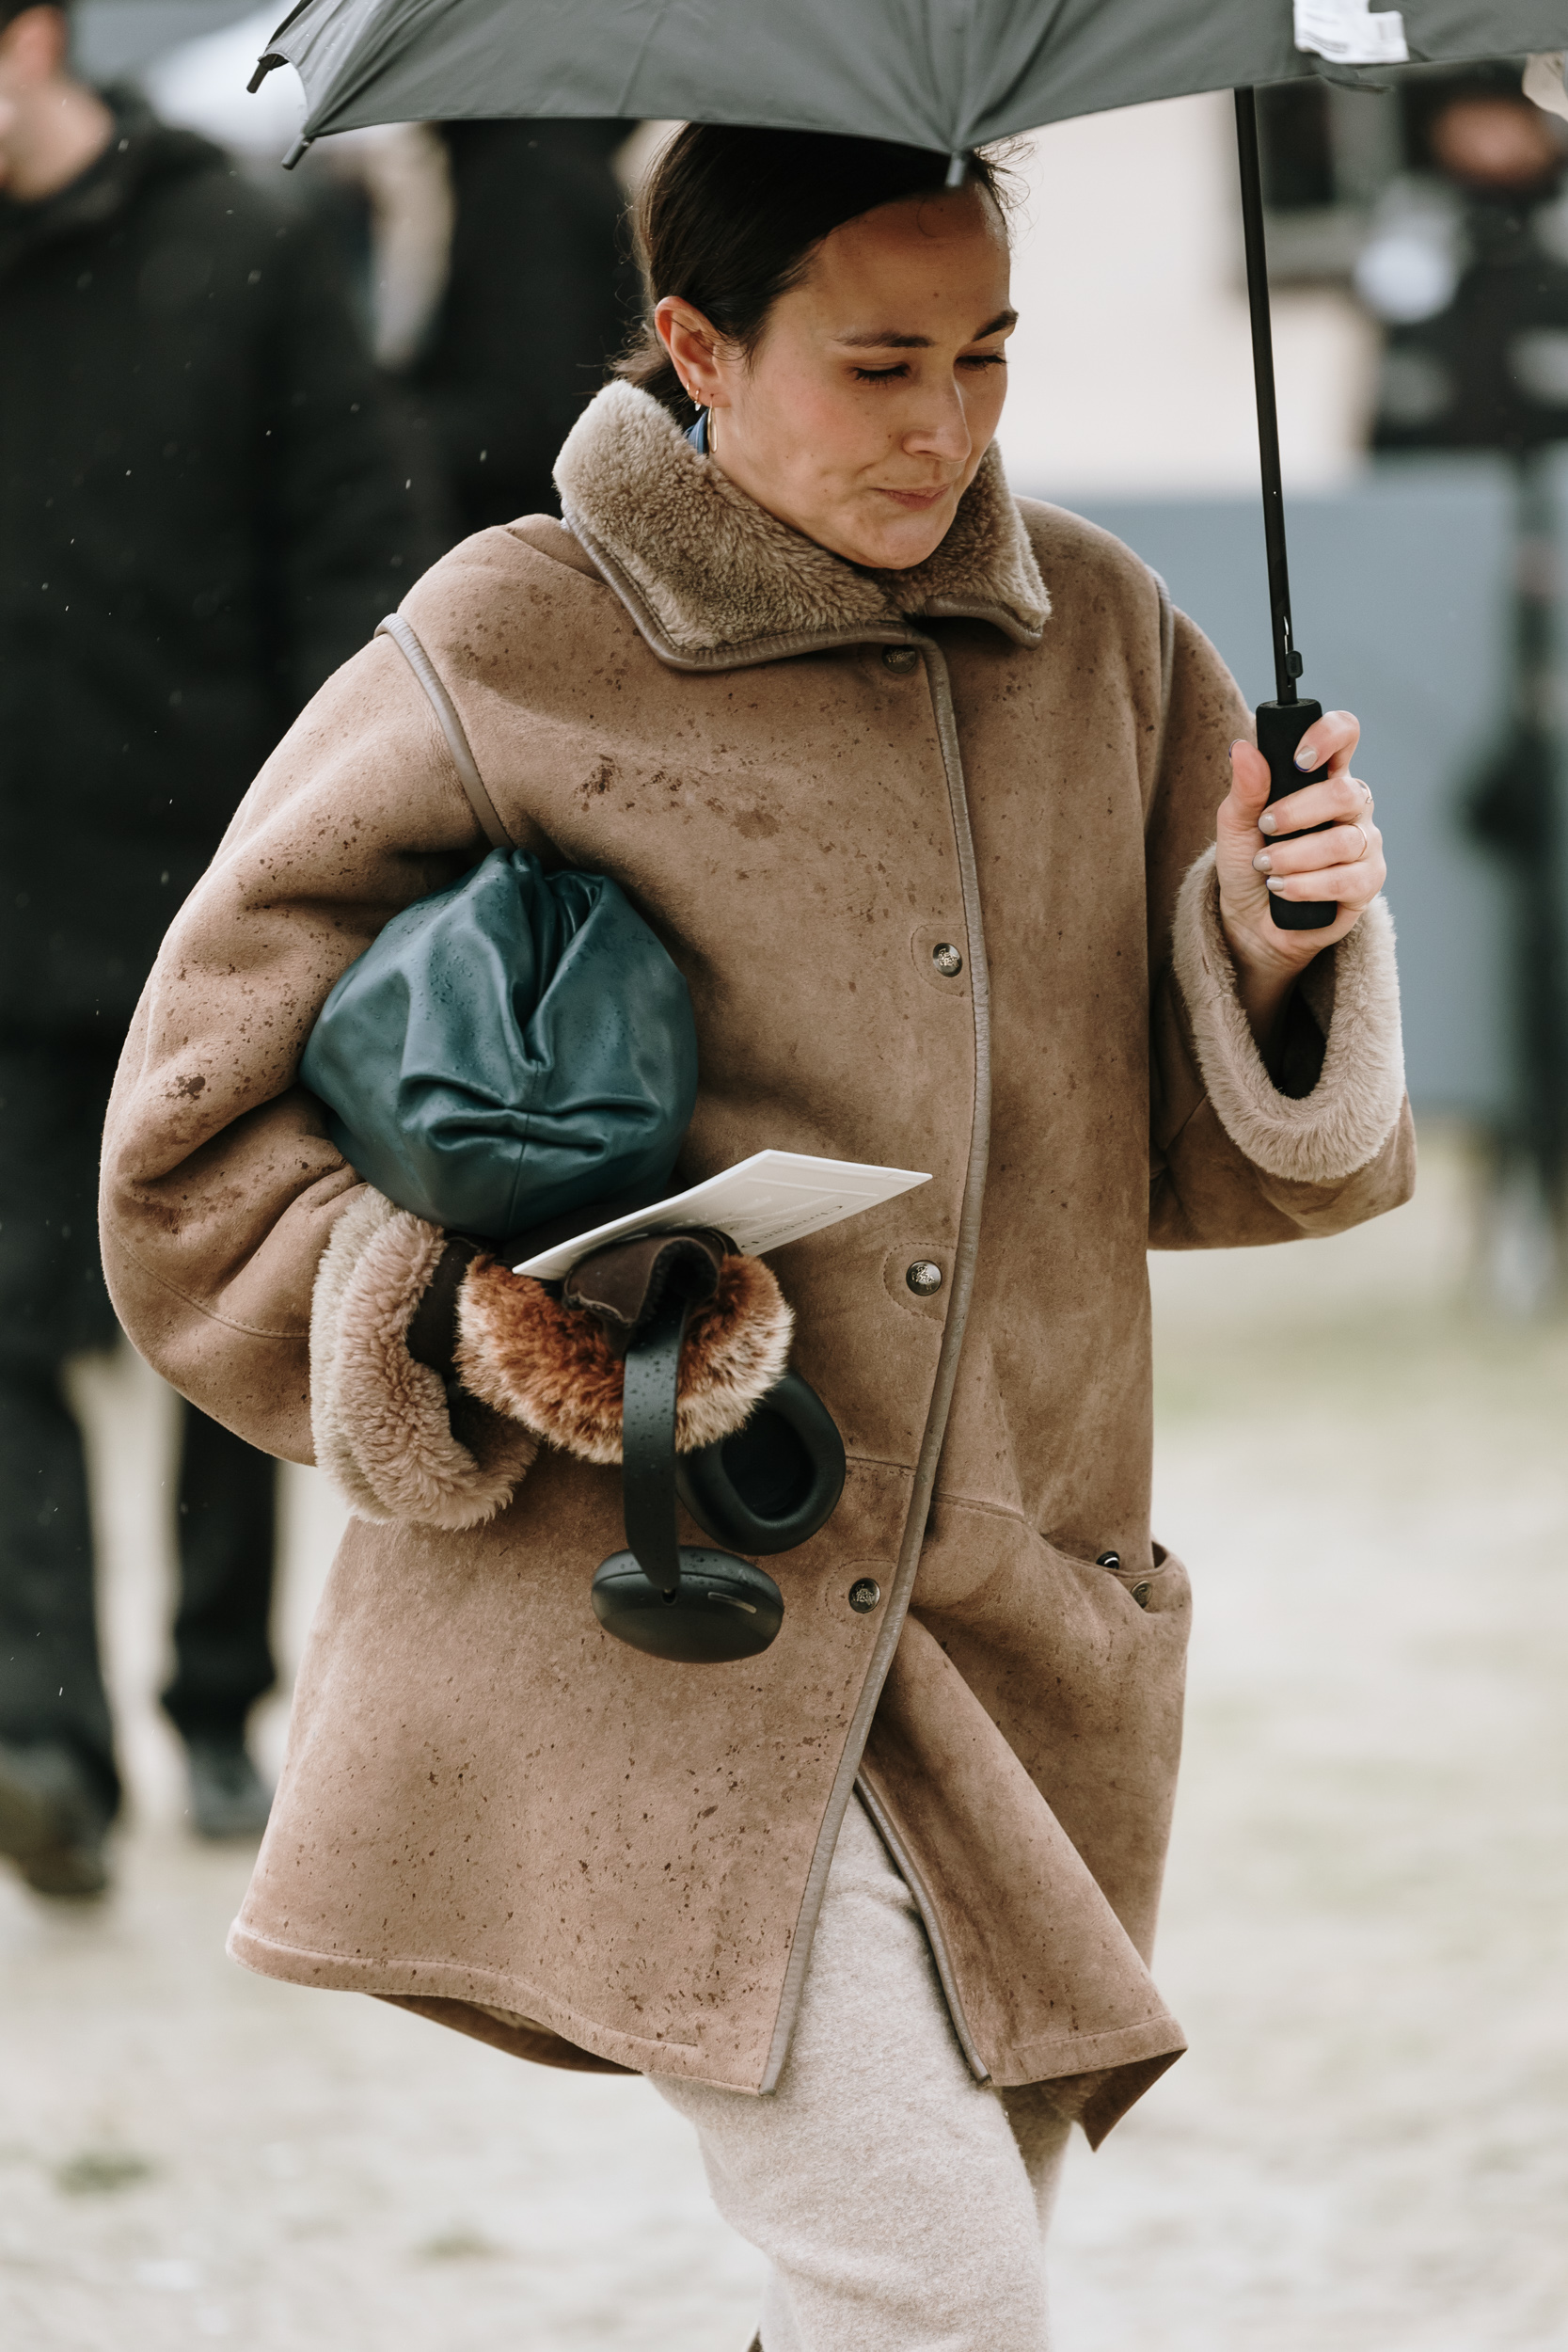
(351, 1236)
(716, 572)
(1352, 992)
(380, 1421)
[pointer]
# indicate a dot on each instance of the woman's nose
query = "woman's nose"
(943, 431)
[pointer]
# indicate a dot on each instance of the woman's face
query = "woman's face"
(876, 389)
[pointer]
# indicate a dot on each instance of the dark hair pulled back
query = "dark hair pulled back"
(729, 219)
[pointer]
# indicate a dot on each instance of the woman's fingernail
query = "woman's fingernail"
(1263, 862)
(1275, 883)
(1268, 822)
(1304, 757)
(1234, 740)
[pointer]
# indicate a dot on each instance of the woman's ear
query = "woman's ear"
(693, 347)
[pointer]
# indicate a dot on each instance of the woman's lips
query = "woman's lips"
(917, 501)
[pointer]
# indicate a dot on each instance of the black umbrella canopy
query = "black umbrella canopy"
(947, 76)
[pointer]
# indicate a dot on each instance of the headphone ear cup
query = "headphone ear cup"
(775, 1482)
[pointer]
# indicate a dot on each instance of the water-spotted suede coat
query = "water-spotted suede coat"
(809, 778)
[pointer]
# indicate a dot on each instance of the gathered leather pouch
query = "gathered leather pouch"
(514, 1047)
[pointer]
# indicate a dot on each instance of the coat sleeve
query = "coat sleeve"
(1239, 1155)
(220, 1186)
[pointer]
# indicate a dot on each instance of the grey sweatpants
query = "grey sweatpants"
(900, 2203)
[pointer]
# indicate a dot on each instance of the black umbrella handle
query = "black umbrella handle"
(648, 1446)
(1280, 728)
(1281, 723)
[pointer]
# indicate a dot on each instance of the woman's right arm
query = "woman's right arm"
(220, 1186)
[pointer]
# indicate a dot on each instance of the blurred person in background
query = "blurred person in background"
(541, 292)
(1467, 267)
(206, 504)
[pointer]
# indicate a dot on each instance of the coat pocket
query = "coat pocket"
(1161, 1586)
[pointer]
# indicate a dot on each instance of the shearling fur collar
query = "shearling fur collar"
(712, 579)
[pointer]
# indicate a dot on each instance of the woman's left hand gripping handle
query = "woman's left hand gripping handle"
(1344, 863)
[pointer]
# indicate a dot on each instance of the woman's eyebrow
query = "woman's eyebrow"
(887, 340)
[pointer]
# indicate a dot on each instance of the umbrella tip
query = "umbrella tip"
(958, 169)
(298, 149)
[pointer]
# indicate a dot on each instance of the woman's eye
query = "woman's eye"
(882, 375)
(984, 360)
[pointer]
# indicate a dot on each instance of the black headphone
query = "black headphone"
(765, 1488)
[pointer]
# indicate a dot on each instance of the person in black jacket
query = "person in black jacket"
(206, 503)
(541, 295)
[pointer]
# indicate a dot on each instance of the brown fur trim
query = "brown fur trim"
(553, 1367)
(382, 1425)
(710, 570)
(1351, 990)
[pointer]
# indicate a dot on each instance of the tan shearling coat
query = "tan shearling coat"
(808, 777)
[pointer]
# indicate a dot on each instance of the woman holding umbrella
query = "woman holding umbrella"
(951, 827)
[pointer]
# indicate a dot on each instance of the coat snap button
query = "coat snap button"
(900, 660)
(947, 961)
(924, 1278)
(863, 1595)
(1140, 1594)
(1109, 1560)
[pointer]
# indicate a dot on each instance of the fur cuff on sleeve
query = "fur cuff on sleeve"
(1352, 991)
(382, 1422)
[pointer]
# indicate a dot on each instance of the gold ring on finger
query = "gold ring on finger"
(1366, 844)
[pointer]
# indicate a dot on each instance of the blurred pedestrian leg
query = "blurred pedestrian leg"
(223, 1660)
(896, 2199)
(53, 1306)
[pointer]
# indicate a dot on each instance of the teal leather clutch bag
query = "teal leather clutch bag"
(509, 1052)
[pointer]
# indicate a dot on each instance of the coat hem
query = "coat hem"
(1079, 2052)
(407, 1981)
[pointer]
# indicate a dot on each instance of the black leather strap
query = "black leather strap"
(649, 1445)
(433, 1331)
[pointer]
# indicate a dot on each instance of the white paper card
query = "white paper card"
(772, 1198)
(1347, 33)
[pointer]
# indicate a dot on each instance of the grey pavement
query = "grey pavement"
(1365, 1931)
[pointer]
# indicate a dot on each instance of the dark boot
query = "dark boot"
(228, 1797)
(53, 1821)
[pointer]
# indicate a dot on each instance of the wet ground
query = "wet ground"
(1365, 1933)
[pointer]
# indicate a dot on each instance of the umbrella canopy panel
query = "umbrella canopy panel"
(946, 75)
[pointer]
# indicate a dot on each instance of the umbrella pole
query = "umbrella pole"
(1282, 723)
